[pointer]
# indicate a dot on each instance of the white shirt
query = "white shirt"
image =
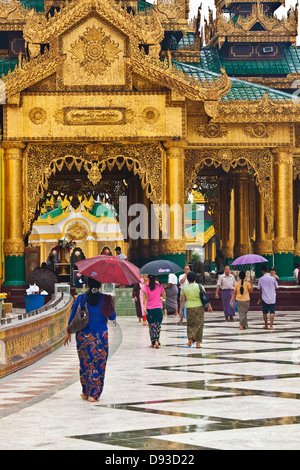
(226, 282)
(296, 271)
(122, 256)
(182, 284)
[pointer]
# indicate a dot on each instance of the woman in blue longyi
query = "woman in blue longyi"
(92, 341)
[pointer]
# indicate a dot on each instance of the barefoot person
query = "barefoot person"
(267, 285)
(194, 311)
(153, 293)
(241, 293)
(92, 341)
(226, 283)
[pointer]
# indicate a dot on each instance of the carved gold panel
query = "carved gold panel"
(91, 116)
(94, 55)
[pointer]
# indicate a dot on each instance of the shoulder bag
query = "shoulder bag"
(203, 296)
(81, 318)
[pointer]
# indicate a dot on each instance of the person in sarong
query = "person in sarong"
(226, 283)
(171, 290)
(153, 294)
(241, 293)
(136, 291)
(92, 341)
(194, 311)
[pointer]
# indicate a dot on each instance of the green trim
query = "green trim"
(14, 270)
(284, 264)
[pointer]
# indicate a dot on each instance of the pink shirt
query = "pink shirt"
(154, 300)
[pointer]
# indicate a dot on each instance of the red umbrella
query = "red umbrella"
(109, 269)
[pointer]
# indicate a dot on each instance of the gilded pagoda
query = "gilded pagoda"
(122, 97)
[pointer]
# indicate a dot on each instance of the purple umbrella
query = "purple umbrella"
(249, 259)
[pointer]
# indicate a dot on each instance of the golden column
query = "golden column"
(284, 243)
(133, 199)
(242, 212)
(263, 238)
(13, 245)
(143, 243)
(226, 196)
(174, 246)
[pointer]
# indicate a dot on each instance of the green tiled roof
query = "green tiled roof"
(38, 5)
(290, 63)
(6, 65)
(240, 89)
(54, 213)
(144, 6)
(99, 210)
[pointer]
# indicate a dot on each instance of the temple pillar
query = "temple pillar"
(284, 243)
(143, 242)
(13, 246)
(242, 213)
(226, 208)
(132, 229)
(173, 246)
(263, 237)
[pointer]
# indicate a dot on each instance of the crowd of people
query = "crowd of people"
(184, 298)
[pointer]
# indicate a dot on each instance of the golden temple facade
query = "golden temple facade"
(123, 98)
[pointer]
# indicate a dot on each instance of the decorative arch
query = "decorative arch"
(43, 161)
(260, 161)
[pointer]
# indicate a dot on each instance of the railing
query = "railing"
(31, 336)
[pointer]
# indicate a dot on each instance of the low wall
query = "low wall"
(28, 339)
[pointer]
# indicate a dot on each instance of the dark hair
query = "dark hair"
(93, 298)
(242, 276)
(264, 268)
(106, 248)
(152, 282)
(191, 276)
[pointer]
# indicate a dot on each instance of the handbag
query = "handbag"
(81, 318)
(203, 296)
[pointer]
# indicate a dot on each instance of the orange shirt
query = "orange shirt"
(237, 290)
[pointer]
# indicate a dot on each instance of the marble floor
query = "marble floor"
(240, 391)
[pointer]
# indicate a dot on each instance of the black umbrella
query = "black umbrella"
(159, 267)
(44, 279)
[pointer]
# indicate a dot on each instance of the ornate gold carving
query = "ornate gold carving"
(150, 115)
(284, 245)
(12, 15)
(259, 160)
(14, 247)
(77, 231)
(172, 246)
(29, 73)
(90, 116)
(212, 130)
(94, 173)
(259, 130)
(220, 28)
(42, 161)
(169, 76)
(95, 51)
(173, 13)
(38, 115)
(265, 110)
(142, 29)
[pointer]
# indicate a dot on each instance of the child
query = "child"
(273, 273)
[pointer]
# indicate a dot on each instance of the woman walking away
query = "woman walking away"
(92, 341)
(153, 305)
(171, 291)
(241, 293)
(194, 310)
